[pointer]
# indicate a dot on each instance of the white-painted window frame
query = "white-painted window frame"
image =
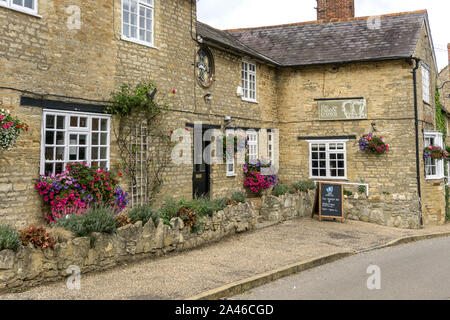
(249, 78)
(426, 83)
(10, 4)
(139, 3)
(230, 161)
(252, 141)
(428, 162)
(88, 131)
(327, 144)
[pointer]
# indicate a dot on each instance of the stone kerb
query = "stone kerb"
(31, 266)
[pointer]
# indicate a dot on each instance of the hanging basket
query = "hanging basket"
(436, 155)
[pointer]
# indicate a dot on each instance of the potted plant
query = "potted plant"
(435, 152)
(10, 130)
(372, 143)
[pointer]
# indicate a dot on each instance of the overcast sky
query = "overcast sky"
(227, 14)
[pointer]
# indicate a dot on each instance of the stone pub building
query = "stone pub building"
(304, 92)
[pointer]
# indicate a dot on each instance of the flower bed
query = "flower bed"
(10, 129)
(79, 188)
(371, 143)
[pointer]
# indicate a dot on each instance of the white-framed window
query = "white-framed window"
(138, 21)
(270, 146)
(426, 83)
(26, 6)
(249, 81)
(252, 142)
(328, 159)
(434, 168)
(74, 137)
(231, 165)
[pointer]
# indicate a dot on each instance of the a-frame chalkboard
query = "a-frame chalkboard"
(329, 201)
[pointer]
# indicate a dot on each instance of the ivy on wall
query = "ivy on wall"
(441, 116)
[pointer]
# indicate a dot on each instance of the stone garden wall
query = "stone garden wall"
(30, 266)
(397, 211)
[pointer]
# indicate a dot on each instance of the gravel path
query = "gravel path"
(186, 274)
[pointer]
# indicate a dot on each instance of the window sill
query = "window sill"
(328, 178)
(28, 12)
(434, 178)
(142, 43)
(231, 175)
(250, 100)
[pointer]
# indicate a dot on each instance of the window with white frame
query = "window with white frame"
(73, 137)
(426, 83)
(252, 142)
(434, 168)
(328, 159)
(137, 21)
(231, 166)
(27, 6)
(249, 81)
(270, 148)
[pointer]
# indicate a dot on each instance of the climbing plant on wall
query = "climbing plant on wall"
(441, 116)
(144, 146)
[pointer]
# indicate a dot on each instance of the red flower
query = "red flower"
(174, 91)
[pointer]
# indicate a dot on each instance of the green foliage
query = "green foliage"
(348, 193)
(9, 238)
(362, 189)
(144, 214)
(97, 219)
(136, 99)
(441, 117)
(239, 196)
(282, 189)
(304, 186)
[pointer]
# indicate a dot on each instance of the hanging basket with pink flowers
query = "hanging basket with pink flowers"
(434, 152)
(372, 143)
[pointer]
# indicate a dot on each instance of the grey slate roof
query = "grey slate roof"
(224, 38)
(332, 42)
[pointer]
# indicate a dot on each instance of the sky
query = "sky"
(229, 14)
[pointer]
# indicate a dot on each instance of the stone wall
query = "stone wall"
(397, 211)
(393, 211)
(287, 207)
(31, 266)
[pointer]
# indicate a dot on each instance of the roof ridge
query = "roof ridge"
(243, 44)
(326, 21)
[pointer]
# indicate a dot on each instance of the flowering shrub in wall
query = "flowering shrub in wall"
(10, 129)
(435, 153)
(79, 188)
(256, 177)
(369, 142)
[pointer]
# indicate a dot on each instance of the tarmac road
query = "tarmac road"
(419, 270)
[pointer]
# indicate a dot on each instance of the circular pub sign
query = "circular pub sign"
(204, 67)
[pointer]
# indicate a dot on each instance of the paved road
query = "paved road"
(419, 270)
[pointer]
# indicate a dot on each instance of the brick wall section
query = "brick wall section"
(335, 9)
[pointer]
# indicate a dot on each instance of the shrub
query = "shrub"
(96, 219)
(304, 186)
(122, 220)
(348, 193)
(79, 188)
(239, 196)
(60, 234)
(144, 214)
(38, 236)
(9, 239)
(281, 189)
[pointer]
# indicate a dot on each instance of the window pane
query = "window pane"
(83, 122)
(50, 122)
(60, 154)
(59, 168)
(49, 154)
(104, 125)
(48, 169)
(73, 139)
(94, 155)
(60, 138)
(60, 122)
(104, 139)
(74, 121)
(95, 139)
(49, 137)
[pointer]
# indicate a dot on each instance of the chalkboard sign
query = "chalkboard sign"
(329, 202)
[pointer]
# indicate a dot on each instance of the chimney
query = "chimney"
(335, 9)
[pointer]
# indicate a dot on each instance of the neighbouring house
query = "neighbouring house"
(303, 93)
(444, 92)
